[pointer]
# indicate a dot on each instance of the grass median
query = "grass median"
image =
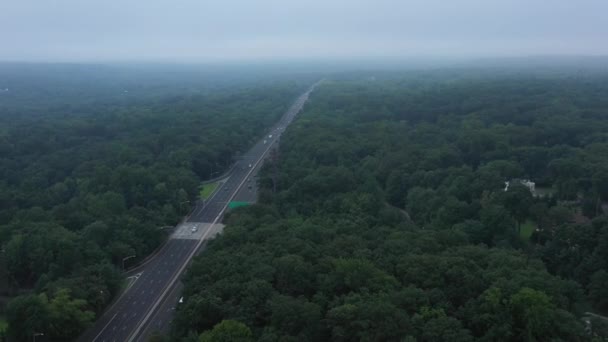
(206, 190)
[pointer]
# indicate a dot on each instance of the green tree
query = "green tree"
(600, 183)
(434, 325)
(201, 311)
(367, 318)
(498, 223)
(598, 290)
(68, 317)
(296, 317)
(518, 201)
(27, 315)
(293, 275)
(532, 312)
(227, 331)
(421, 204)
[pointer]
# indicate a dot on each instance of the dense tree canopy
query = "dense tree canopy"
(391, 221)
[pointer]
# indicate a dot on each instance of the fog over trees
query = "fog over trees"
(446, 179)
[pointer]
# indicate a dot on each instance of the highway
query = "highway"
(147, 305)
(160, 321)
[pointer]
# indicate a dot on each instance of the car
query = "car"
(181, 300)
(194, 229)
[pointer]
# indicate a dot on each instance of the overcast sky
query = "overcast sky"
(201, 30)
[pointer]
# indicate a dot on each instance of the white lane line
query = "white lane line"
(104, 328)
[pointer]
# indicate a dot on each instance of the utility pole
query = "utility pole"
(274, 158)
(181, 205)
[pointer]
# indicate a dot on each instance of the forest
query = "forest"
(392, 219)
(88, 182)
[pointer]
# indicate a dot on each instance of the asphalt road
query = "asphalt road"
(119, 321)
(148, 304)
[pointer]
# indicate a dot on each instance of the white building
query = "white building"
(525, 182)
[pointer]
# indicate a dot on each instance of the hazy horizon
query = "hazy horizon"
(266, 30)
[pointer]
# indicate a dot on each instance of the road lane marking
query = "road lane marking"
(104, 328)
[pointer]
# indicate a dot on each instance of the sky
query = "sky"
(204, 30)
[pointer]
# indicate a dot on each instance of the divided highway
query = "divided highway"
(147, 305)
